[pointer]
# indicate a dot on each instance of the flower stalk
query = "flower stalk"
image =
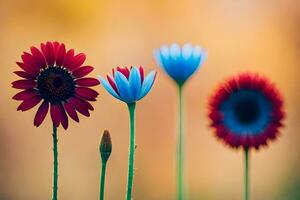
(180, 148)
(131, 108)
(246, 179)
(105, 149)
(55, 163)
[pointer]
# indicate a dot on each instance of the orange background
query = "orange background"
(255, 35)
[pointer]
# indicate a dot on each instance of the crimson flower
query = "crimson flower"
(246, 111)
(55, 76)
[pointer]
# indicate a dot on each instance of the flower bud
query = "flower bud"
(105, 147)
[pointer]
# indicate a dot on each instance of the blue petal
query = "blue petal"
(108, 87)
(135, 83)
(175, 51)
(147, 84)
(187, 51)
(123, 87)
(165, 57)
(157, 57)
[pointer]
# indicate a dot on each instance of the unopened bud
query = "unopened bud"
(105, 146)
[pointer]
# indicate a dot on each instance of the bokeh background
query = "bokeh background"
(247, 35)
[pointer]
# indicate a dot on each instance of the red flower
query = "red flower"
(57, 78)
(247, 111)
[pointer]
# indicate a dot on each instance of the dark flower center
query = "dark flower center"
(55, 84)
(247, 110)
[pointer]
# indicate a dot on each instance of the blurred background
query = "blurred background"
(248, 35)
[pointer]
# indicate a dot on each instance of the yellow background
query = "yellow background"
(244, 35)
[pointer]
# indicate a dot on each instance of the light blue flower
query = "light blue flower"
(128, 85)
(180, 63)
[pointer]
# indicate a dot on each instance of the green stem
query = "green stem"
(246, 183)
(102, 181)
(55, 163)
(180, 148)
(131, 108)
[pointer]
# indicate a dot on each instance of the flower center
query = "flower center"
(55, 84)
(247, 110)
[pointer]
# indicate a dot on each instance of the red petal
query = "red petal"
(141, 69)
(60, 54)
(76, 61)
(29, 60)
(82, 71)
(88, 82)
(41, 113)
(124, 70)
(23, 84)
(64, 117)
(25, 94)
(28, 68)
(112, 83)
(29, 103)
(55, 114)
(38, 57)
(48, 51)
(68, 58)
(80, 106)
(56, 45)
(25, 75)
(71, 111)
(86, 93)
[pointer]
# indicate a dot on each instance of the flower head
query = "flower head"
(128, 84)
(57, 78)
(246, 111)
(105, 147)
(180, 63)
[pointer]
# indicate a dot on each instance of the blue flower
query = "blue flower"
(128, 85)
(180, 63)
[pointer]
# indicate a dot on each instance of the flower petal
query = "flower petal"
(80, 106)
(71, 111)
(108, 88)
(28, 68)
(55, 114)
(29, 103)
(86, 93)
(41, 113)
(141, 69)
(49, 53)
(75, 62)
(29, 60)
(63, 117)
(82, 71)
(60, 54)
(135, 83)
(112, 84)
(38, 57)
(88, 82)
(25, 75)
(25, 94)
(68, 58)
(175, 51)
(147, 85)
(124, 70)
(123, 87)
(24, 84)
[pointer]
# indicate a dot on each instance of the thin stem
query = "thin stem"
(246, 183)
(180, 148)
(131, 108)
(55, 163)
(102, 181)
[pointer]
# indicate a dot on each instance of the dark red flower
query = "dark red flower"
(54, 76)
(247, 111)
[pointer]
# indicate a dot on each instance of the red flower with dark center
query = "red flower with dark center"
(56, 77)
(247, 111)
